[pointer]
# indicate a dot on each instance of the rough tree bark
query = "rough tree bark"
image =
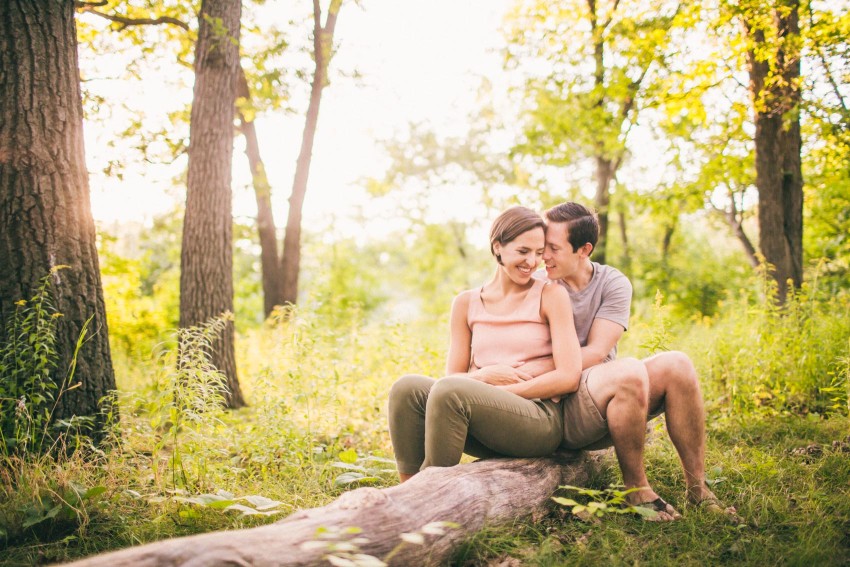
(206, 261)
(474, 495)
(45, 213)
(269, 262)
(774, 66)
(322, 46)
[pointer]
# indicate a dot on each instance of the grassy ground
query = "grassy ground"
(317, 427)
(788, 482)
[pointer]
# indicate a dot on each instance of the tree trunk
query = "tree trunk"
(731, 217)
(491, 492)
(604, 175)
(774, 85)
(322, 45)
(666, 241)
(626, 261)
(269, 262)
(45, 212)
(206, 261)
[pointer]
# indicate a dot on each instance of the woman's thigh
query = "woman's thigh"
(500, 421)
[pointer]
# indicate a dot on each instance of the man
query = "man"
(616, 396)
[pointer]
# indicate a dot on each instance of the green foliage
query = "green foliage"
(29, 391)
(611, 500)
(188, 405)
(658, 338)
(759, 358)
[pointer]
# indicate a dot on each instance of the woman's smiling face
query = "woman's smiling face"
(522, 256)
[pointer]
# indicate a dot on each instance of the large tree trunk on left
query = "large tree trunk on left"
(774, 66)
(484, 493)
(206, 261)
(45, 213)
(322, 45)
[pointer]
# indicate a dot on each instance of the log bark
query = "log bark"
(473, 495)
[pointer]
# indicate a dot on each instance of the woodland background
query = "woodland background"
(226, 362)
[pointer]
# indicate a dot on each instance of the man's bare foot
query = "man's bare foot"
(647, 499)
(704, 499)
(663, 512)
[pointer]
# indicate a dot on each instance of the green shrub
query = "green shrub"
(759, 357)
(28, 390)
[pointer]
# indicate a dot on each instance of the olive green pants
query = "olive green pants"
(433, 422)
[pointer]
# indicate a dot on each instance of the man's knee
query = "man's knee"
(672, 369)
(625, 379)
(633, 380)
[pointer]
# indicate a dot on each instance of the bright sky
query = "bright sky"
(420, 61)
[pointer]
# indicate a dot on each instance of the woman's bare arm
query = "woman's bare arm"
(566, 352)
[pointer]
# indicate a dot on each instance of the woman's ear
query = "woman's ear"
(497, 252)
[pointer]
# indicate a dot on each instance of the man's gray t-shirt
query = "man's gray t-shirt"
(607, 296)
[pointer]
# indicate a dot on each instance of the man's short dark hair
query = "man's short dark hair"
(582, 224)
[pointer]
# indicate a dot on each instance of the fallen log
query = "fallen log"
(401, 525)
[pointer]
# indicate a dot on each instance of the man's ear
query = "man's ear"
(586, 250)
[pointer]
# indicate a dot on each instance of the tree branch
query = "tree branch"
(127, 22)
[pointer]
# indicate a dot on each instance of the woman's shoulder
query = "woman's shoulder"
(552, 292)
(463, 298)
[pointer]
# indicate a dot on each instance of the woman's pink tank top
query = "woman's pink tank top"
(512, 339)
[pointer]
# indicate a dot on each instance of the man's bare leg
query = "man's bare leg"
(620, 390)
(673, 381)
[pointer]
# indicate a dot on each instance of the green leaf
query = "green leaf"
(348, 456)
(348, 466)
(93, 492)
(261, 502)
(564, 501)
(248, 511)
(354, 477)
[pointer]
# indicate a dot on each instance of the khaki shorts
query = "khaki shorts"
(584, 426)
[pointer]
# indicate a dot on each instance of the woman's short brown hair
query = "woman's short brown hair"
(511, 223)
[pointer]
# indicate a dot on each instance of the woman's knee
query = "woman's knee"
(409, 388)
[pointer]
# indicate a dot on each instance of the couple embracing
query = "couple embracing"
(532, 367)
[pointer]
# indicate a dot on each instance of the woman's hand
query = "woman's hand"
(500, 375)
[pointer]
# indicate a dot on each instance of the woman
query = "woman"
(513, 320)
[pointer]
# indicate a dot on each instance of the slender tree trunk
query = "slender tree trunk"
(45, 212)
(669, 230)
(269, 262)
(604, 175)
(322, 45)
(774, 85)
(730, 215)
(604, 170)
(626, 262)
(206, 262)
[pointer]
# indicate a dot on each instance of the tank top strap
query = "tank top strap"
(475, 308)
(530, 307)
